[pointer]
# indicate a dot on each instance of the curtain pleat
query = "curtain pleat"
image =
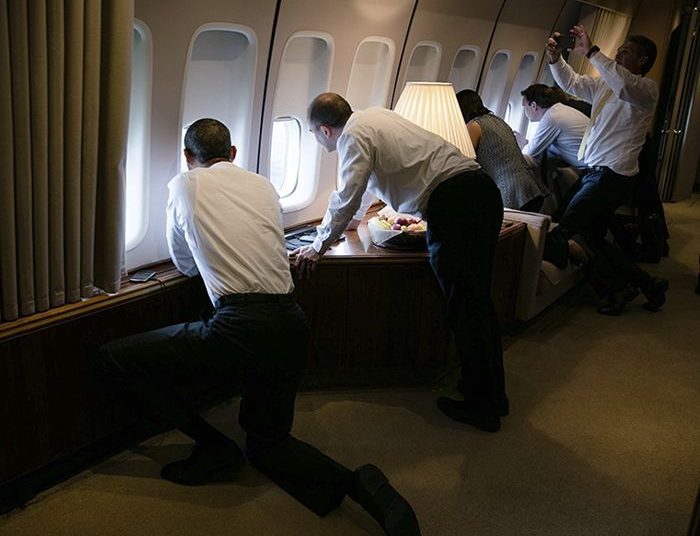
(90, 130)
(39, 152)
(117, 41)
(65, 69)
(56, 90)
(608, 32)
(72, 149)
(8, 237)
(19, 59)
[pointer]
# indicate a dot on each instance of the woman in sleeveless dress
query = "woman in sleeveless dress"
(498, 154)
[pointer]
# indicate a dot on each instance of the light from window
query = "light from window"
(138, 138)
(285, 153)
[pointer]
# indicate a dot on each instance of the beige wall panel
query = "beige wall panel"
(453, 24)
(523, 27)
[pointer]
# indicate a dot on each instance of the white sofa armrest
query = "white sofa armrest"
(537, 228)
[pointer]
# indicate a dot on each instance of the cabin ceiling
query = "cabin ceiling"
(531, 13)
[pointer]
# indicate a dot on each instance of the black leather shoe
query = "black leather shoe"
(614, 304)
(503, 404)
(371, 489)
(459, 411)
(655, 294)
(206, 465)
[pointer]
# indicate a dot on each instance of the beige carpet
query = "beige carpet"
(603, 439)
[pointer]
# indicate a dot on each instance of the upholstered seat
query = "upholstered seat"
(541, 283)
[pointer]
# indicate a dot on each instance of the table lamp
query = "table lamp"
(434, 106)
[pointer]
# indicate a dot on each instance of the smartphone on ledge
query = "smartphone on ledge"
(142, 276)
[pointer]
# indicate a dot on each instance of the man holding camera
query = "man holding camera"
(623, 102)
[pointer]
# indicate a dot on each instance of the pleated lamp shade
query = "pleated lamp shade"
(433, 106)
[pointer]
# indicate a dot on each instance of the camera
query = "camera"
(565, 42)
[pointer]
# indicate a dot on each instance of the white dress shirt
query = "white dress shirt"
(560, 130)
(226, 223)
(618, 133)
(395, 160)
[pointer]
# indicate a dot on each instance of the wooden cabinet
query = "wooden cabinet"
(378, 315)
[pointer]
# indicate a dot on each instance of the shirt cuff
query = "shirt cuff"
(317, 244)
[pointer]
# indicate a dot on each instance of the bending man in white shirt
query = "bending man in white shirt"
(225, 223)
(623, 107)
(417, 172)
(560, 127)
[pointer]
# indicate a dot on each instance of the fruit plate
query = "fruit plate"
(395, 238)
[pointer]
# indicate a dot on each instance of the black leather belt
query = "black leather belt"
(237, 299)
(597, 168)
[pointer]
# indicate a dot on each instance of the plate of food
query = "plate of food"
(397, 231)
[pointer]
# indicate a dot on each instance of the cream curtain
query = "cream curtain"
(608, 31)
(64, 106)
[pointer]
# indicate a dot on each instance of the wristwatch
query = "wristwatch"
(592, 50)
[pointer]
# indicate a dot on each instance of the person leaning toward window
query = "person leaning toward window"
(498, 154)
(560, 127)
(419, 173)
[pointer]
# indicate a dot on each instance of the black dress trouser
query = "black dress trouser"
(464, 218)
(253, 344)
(593, 202)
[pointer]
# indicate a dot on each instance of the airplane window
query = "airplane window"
(523, 78)
(370, 77)
(138, 137)
(425, 62)
(220, 81)
(284, 157)
(464, 69)
(304, 72)
(495, 83)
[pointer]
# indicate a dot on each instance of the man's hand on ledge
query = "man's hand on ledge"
(305, 260)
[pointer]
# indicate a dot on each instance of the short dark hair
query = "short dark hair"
(207, 139)
(329, 109)
(542, 95)
(471, 105)
(647, 48)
